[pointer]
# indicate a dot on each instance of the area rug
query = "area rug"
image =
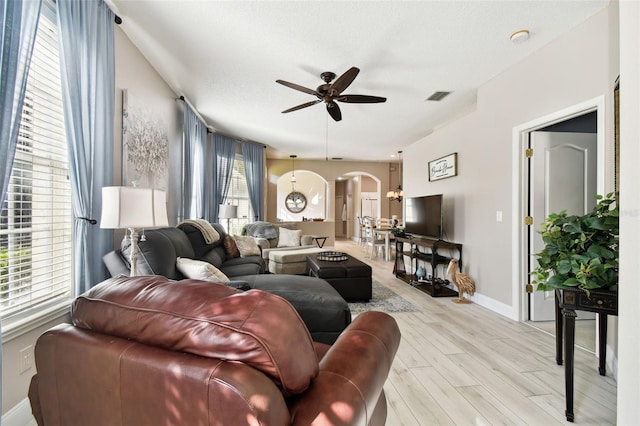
(384, 300)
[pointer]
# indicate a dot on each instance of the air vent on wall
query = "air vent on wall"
(336, 158)
(438, 96)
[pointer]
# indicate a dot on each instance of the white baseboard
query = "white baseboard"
(612, 362)
(492, 304)
(19, 415)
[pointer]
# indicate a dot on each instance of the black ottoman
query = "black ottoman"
(351, 277)
(322, 309)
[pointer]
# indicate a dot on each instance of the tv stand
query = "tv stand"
(429, 251)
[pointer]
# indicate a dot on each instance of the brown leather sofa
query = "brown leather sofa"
(148, 351)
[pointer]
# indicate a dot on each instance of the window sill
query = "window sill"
(24, 325)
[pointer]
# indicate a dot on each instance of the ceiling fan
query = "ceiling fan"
(329, 93)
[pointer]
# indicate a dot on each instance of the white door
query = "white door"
(370, 204)
(563, 176)
(339, 223)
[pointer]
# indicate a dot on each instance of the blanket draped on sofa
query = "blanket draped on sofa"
(209, 233)
(261, 230)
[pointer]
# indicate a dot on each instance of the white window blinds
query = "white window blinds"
(238, 195)
(36, 218)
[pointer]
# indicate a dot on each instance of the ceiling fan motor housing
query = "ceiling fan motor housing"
(328, 76)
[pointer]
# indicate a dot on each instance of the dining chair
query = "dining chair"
(372, 239)
(362, 236)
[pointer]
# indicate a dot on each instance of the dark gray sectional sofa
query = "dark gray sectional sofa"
(320, 306)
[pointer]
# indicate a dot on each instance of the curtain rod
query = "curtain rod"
(214, 130)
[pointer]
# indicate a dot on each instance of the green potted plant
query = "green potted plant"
(581, 252)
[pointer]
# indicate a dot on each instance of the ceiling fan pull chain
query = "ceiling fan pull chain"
(326, 154)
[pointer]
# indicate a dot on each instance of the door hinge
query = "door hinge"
(528, 220)
(528, 152)
(529, 288)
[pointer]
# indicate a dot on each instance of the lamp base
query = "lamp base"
(133, 258)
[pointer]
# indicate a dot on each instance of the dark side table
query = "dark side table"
(320, 241)
(567, 302)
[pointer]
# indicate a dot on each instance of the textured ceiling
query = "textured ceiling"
(224, 57)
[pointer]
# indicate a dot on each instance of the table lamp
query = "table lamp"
(227, 211)
(133, 208)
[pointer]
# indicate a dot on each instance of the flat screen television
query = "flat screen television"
(423, 216)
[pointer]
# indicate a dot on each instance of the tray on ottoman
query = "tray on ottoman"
(349, 276)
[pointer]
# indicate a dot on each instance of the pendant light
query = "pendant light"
(293, 170)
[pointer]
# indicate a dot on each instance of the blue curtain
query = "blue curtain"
(19, 26)
(87, 62)
(253, 156)
(194, 139)
(223, 155)
(201, 149)
(189, 123)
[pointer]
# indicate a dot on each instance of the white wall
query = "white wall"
(629, 314)
(141, 80)
(312, 186)
(565, 72)
(330, 171)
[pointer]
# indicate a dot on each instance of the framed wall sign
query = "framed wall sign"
(443, 167)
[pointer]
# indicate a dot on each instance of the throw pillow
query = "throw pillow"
(289, 237)
(230, 247)
(200, 270)
(247, 246)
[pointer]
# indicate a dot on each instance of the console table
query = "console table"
(429, 251)
(567, 302)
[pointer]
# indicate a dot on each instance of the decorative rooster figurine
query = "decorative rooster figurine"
(464, 283)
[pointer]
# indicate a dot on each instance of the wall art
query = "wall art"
(443, 167)
(145, 145)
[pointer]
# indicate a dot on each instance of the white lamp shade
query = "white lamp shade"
(160, 208)
(132, 207)
(227, 211)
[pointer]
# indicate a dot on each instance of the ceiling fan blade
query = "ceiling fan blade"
(298, 87)
(334, 111)
(343, 81)
(304, 105)
(360, 99)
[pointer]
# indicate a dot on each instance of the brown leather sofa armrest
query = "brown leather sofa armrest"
(353, 371)
(34, 399)
(86, 377)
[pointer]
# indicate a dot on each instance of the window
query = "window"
(36, 219)
(238, 195)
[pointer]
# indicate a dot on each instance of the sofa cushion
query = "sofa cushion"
(157, 255)
(216, 256)
(231, 247)
(254, 327)
(198, 242)
(199, 270)
(289, 237)
(247, 246)
(208, 232)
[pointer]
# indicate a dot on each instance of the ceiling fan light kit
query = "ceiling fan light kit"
(519, 36)
(330, 92)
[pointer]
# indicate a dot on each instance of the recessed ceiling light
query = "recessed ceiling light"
(520, 36)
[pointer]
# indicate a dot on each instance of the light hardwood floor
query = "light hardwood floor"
(465, 365)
